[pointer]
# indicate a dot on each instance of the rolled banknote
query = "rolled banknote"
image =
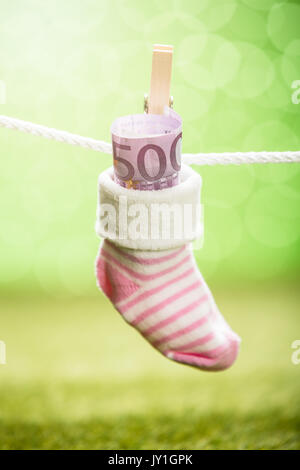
(147, 150)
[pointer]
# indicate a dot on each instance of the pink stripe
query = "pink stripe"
(198, 360)
(180, 332)
(189, 308)
(140, 276)
(155, 290)
(165, 302)
(196, 342)
(146, 261)
(215, 351)
(205, 359)
(209, 354)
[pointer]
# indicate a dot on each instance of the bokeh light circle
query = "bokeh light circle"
(269, 218)
(248, 25)
(235, 186)
(255, 74)
(207, 61)
(222, 231)
(283, 24)
(277, 95)
(87, 67)
(260, 4)
(191, 104)
(214, 15)
(45, 266)
(16, 249)
(58, 196)
(75, 264)
(290, 66)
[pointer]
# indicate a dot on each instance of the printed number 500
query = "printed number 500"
(141, 160)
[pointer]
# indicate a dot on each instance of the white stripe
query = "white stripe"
(218, 340)
(166, 291)
(147, 269)
(149, 254)
(196, 314)
(171, 309)
(155, 299)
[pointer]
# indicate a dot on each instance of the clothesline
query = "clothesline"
(226, 158)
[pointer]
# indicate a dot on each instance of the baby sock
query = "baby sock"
(154, 283)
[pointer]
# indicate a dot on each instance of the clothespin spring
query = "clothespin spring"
(146, 102)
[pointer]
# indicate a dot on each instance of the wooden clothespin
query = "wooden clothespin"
(160, 85)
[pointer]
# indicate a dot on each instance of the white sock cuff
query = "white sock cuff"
(150, 220)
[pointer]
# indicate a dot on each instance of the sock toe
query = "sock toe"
(231, 352)
(220, 361)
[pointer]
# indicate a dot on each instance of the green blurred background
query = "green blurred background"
(76, 377)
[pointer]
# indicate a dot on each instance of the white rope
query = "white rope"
(239, 158)
(227, 158)
(55, 134)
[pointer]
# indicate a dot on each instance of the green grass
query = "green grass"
(78, 377)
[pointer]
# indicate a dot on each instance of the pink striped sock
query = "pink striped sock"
(163, 295)
(153, 281)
